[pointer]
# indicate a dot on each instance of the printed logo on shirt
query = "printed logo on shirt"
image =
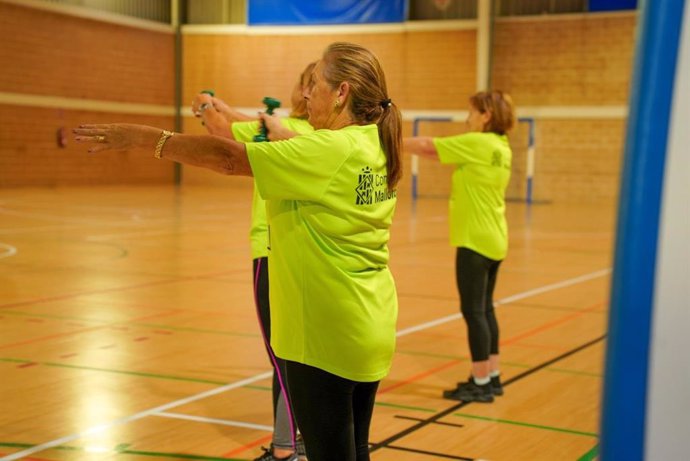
(496, 158)
(365, 187)
(372, 188)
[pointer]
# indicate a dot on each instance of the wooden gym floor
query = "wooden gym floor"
(128, 331)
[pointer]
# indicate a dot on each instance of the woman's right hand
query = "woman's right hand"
(199, 99)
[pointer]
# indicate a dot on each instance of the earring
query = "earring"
(337, 103)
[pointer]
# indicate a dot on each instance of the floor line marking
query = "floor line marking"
(433, 454)
(142, 414)
(248, 446)
(224, 422)
(432, 419)
(259, 377)
(85, 330)
(509, 299)
(121, 288)
(520, 423)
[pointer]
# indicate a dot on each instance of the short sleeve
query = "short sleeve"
(245, 131)
(300, 168)
(458, 149)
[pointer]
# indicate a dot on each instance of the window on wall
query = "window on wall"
(535, 7)
(216, 12)
(235, 11)
(152, 10)
(420, 10)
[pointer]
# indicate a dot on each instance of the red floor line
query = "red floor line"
(550, 325)
(420, 376)
(83, 330)
(111, 290)
(248, 446)
(514, 339)
(431, 371)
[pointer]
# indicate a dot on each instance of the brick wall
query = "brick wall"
(52, 55)
(578, 60)
(30, 156)
(430, 70)
(557, 61)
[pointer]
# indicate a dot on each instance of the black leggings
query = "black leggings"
(333, 413)
(476, 279)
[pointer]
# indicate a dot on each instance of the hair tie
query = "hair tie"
(386, 103)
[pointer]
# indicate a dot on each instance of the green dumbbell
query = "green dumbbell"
(271, 105)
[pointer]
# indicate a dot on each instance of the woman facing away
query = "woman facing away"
(331, 198)
(478, 228)
(222, 120)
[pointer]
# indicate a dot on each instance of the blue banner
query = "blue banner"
(612, 5)
(312, 12)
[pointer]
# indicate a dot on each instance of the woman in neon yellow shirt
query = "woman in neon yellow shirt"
(222, 120)
(478, 228)
(331, 197)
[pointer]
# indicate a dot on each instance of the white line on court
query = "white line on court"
(510, 299)
(9, 250)
(159, 411)
(136, 416)
(224, 422)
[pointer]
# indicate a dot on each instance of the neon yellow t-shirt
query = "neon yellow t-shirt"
(333, 299)
(477, 202)
(258, 231)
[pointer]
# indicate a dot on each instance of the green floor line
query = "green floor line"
(430, 354)
(197, 330)
(405, 407)
(106, 370)
(456, 357)
(138, 373)
(518, 423)
(258, 388)
(574, 372)
(52, 316)
(503, 363)
(591, 454)
(125, 451)
(15, 360)
(135, 324)
(177, 455)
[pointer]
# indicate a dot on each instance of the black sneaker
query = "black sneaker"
(470, 392)
(496, 385)
(268, 455)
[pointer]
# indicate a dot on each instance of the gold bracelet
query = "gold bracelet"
(161, 142)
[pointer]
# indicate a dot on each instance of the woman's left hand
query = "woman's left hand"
(117, 136)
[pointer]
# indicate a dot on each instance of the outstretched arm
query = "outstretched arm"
(420, 145)
(215, 153)
(216, 123)
(230, 114)
(216, 115)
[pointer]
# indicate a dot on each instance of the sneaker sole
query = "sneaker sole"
(468, 400)
(495, 392)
